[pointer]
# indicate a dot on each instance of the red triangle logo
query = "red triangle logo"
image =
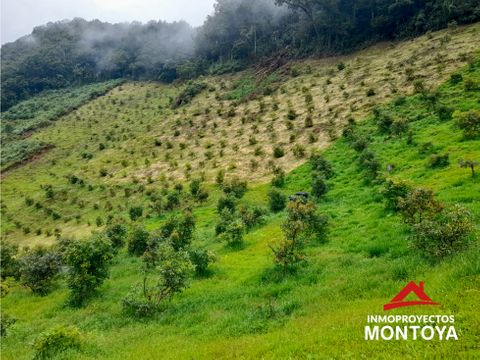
(418, 290)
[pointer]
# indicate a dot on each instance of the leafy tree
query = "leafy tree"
(233, 233)
(138, 241)
(87, 262)
(117, 234)
(302, 223)
(321, 165)
(226, 202)
(251, 215)
(135, 212)
(394, 192)
(469, 122)
(38, 269)
(235, 187)
(465, 163)
(319, 185)
(418, 205)
(9, 265)
(201, 259)
(276, 199)
(444, 232)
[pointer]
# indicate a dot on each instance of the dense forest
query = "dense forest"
(238, 33)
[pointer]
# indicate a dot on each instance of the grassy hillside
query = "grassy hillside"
(132, 138)
(245, 308)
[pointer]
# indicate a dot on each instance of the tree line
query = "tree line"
(237, 34)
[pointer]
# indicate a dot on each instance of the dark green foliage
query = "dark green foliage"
(278, 151)
(226, 217)
(117, 234)
(394, 192)
(456, 78)
(418, 205)
(303, 223)
(233, 232)
(192, 89)
(370, 92)
(226, 202)
(276, 200)
(360, 143)
(279, 177)
(319, 185)
(197, 191)
(321, 165)
(178, 231)
(438, 161)
(135, 212)
(443, 233)
(138, 241)
(170, 270)
(444, 113)
(369, 162)
(88, 262)
(9, 265)
(55, 341)
(251, 215)
(38, 269)
(469, 122)
(201, 259)
(235, 187)
(384, 121)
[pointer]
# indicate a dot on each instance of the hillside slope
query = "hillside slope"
(246, 308)
(133, 139)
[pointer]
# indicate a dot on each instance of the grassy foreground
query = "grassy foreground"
(245, 309)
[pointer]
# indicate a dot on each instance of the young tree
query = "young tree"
(9, 265)
(276, 200)
(117, 234)
(138, 241)
(302, 223)
(87, 262)
(465, 163)
(38, 269)
(418, 205)
(319, 185)
(200, 259)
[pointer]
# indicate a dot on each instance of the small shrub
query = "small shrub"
(321, 165)
(138, 241)
(226, 202)
(9, 265)
(277, 200)
(251, 215)
(443, 234)
(235, 187)
(117, 234)
(278, 151)
(279, 177)
(418, 205)
(87, 262)
(233, 233)
(444, 113)
(299, 151)
(394, 192)
(371, 92)
(55, 341)
(469, 122)
(438, 161)
(201, 259)
(319, 185)
(38, 269)
(135, 212)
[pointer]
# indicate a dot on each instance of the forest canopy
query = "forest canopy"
(238, 33)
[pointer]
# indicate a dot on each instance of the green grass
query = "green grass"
(245, 309)
(40, 111)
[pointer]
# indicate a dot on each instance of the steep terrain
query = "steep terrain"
(131, 147)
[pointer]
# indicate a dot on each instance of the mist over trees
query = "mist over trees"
(238, 33)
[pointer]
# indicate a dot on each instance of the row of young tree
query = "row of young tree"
(238, 33)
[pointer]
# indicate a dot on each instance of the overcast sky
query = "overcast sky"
(19, 17)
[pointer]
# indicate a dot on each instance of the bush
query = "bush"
(135, 212)
(189, 92)
(368, 161)
(360, 144)
(394, 192)
(178, 231)
(384, 122)
(456, 78)
(235, 187)
(251, 215)
(55, 341)
(233, 233)
(321, 165)
(197, 190)
(399, 127)
(200, 259)
(38, 269)
(278, 151)
(226, 217)
(9, 265)
(370, 92)
(444, 233)
(279, 177)
(438, 161)
(444, 113)
(319, 185)
(276, 200)
(138, 241)
(87, 262)
(418, 205)
(302, 223)
(298, 151)
(117, 234)
(226, 202)
(171, 270)
(469, 122)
